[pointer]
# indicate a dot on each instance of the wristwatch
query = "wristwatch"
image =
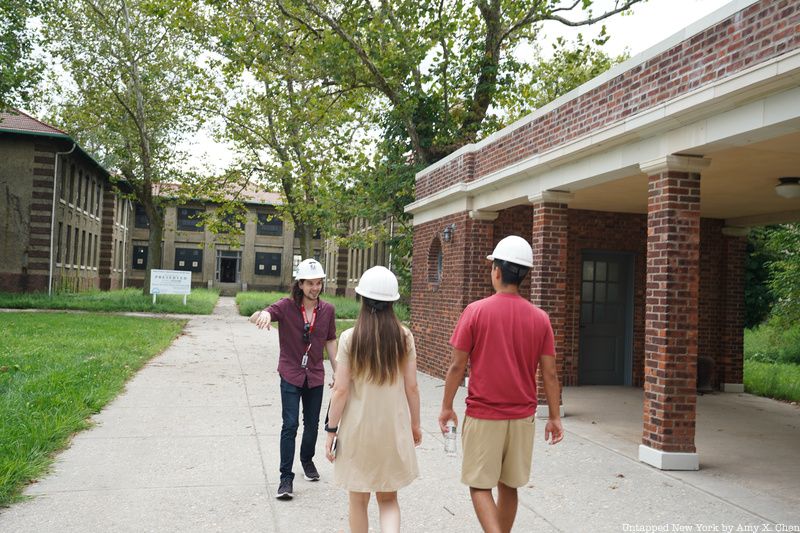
(330, 429)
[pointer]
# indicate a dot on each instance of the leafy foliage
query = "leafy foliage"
(19, 70)
(136, 81)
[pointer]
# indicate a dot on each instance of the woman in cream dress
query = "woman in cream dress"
(374, 412)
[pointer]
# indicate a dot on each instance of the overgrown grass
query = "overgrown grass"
(773, 380)
(773, 342)
(199, 302)
(347, 308)
(57, 369)
(772, 360)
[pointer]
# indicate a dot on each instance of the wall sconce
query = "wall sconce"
(447, 232)
(788, 187)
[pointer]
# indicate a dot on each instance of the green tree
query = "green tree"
(19, 71)
(296, 132)
(783, 242)
(441, 65)
(134, 83)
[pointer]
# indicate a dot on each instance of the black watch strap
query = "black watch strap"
(330, 429)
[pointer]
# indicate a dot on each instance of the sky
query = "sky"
(650, 23)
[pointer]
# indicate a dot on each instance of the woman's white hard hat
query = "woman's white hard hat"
(513, 249)
(309, 269)
(378, 283)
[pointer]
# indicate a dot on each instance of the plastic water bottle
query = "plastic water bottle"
(450, 439)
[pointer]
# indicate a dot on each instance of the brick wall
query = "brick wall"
(436, 305)
(730, 363)
(613, 232)
(761, 31)
(711, 298)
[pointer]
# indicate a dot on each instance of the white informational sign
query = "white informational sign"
(170, 282)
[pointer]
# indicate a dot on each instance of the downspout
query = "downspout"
(391, 236)
(125, 240)
(53, 218)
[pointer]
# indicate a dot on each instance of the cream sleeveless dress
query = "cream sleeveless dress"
(375, 449)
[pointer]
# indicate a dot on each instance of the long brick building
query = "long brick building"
(636, 191)
(99, 240)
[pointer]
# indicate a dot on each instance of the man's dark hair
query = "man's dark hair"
(511, 273)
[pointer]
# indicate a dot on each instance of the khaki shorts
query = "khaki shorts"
(497, 450)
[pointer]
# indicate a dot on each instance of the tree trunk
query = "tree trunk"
(287, 261)
(154, 250)
(306, 241)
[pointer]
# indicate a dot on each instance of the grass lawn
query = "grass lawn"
(347, 308)
(57, 369)
(772, 361)
(200, 302)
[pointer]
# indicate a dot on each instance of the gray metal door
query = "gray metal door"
(605, 319)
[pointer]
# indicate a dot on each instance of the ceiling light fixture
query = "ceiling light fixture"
(788, 187)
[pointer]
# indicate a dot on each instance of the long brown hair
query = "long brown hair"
(378, 345)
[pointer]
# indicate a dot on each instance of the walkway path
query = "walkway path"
(192, 445)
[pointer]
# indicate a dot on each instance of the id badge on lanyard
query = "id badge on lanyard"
(310, 327)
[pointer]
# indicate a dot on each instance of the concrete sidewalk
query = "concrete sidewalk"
(192, 445)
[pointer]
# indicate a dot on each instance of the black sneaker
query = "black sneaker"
(310, 471)
(285, 490)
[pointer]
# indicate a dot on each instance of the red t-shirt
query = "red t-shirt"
(504, 335)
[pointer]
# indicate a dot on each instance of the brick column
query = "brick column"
(107, 218)
(734, 249)
(549, 235)
(673, 258)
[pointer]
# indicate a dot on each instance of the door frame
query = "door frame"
(238, 257)
(630, 258)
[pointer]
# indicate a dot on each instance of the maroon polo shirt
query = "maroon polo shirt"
(290, 336)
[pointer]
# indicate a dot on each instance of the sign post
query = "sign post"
(170, 282)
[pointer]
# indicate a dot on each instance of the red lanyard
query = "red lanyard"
(309, 324)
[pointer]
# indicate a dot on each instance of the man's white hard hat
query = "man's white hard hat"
(513, 249)
(309, 269)
(378, 283)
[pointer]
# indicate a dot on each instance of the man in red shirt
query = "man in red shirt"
(307, 326)
(504, 338)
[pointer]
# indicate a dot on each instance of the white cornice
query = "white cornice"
(764, 79)
(680, 163)
(556, 197)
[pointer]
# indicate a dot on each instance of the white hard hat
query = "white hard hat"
(514, 250)
(309, 269)
(378, 283)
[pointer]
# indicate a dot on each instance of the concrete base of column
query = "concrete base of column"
(668, 460)
(733, 387)
(543, 411)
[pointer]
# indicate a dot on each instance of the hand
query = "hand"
(445, 416)
(416, 432)
(262, 319)
(553, 431)
(328, 446)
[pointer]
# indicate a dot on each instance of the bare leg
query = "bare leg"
(485, 509)
(359, 521)
(389, 511)
(506, 506)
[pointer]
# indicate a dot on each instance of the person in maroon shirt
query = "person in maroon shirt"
(504, 338)
(307, 326)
